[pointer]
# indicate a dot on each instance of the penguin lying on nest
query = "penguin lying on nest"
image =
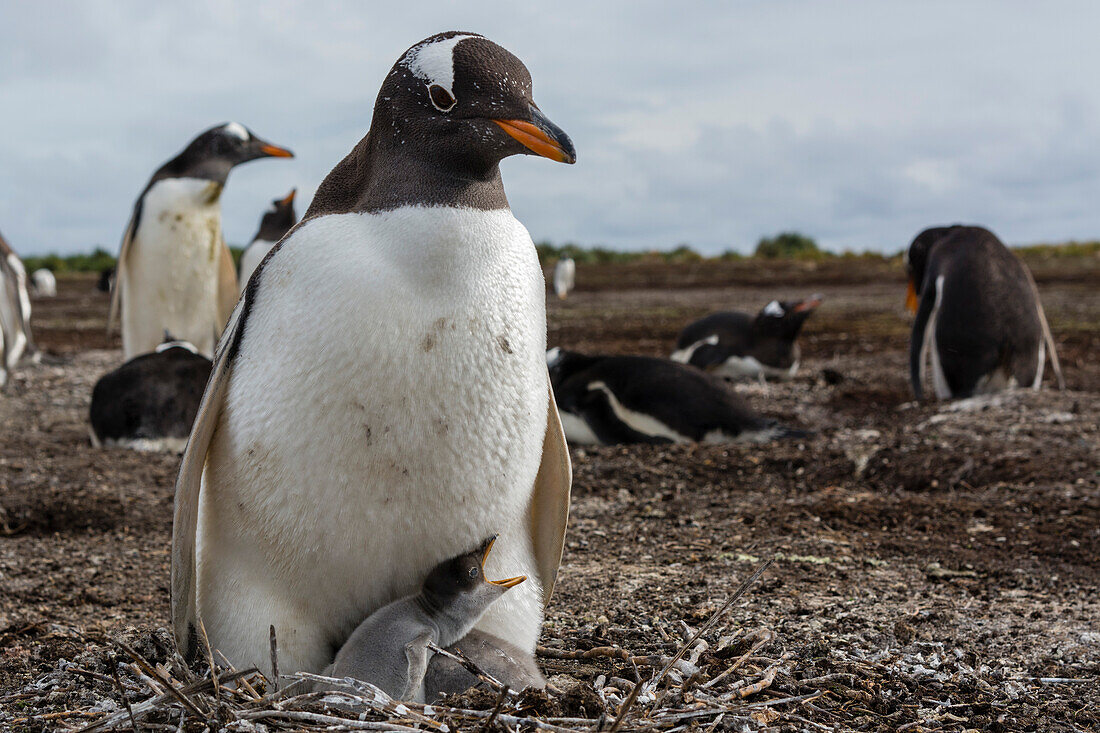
(390, 648)
(150, 402)
(980, 326)
(607, 400)
(738, 345)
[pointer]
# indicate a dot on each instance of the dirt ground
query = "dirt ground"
(936, 566)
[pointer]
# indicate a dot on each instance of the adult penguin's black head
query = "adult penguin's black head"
(916, 261)
(278, 220)
(216, 151)
(464, 103)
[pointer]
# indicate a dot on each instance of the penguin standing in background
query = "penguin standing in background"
(15, 312)
(979, 326)
(565, 273)
(175, 272)
(276, 222)
(315, 446)
(45, 284)
(611, 400)
(737, 345)
(150, 402)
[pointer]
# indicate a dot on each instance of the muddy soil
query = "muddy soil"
(944, 560)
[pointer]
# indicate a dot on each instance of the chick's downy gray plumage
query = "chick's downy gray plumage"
(390, 648)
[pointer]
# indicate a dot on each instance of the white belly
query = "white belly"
(170, 279)
(373, 426)
(15, 312)
(251, 258)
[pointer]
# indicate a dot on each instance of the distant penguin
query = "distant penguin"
(45, 284)
(150, 402)
(175, 272)
(389, 648)
(106, 280)
(565, 274)
(737, 345)
(609, 400)
(276, 222)
(979, 325)
(408, 276)
(15, 312)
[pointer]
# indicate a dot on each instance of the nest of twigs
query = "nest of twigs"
(712, 681)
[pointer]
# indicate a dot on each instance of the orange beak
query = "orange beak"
(534, 139)
(809, 304)
(507, 582)
(275, 151)
(911, 299)
(289, 197)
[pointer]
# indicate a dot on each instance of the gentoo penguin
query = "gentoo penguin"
(175, 272)
(979, 321)
(737, 345)
(390, 648)
(106, 280)
(15, 312)
(608, 400)
(150, 402)
(565, 273)
(276, 222)
(45, 284)
(410, 415)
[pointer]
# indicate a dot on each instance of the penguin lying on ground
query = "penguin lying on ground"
(606, 400)
(15, 312)
(175, 272)
(418, 280)
(390, 648)
(979, 326)
(565, 273)
(45, 284)
(150, 402)
(737, 345)
(276, 222)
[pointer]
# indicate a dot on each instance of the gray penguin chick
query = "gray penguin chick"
(390, 648)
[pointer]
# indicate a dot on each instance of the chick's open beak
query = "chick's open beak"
(541, 136)
(507, 582)
(911, 300)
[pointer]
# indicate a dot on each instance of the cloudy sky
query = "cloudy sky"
(856, 122)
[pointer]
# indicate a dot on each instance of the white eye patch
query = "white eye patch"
(552, 356)
(774, 310)
(434, 62)
(236, 129)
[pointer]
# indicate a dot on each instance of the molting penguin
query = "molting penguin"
(175, 272)
(419, 282)
(45, 284)
(565, 273)
(607, 400)
(150, 402)
(390, 648)
(15, 312)
(275, 223)
(979, 322)
(737, 345)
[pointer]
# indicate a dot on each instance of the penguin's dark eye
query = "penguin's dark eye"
(441, 98)
(474, 572)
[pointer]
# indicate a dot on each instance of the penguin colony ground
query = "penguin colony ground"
(416, 213)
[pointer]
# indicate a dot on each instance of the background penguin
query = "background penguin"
(415, 215)
(389, 649)
(737, 345)
(608, 400)
(979, 324)
(15, 312)
(106, 280)
(276, 222)
(45, 284)
(175, 272)
(150, 402)
(565, 273)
